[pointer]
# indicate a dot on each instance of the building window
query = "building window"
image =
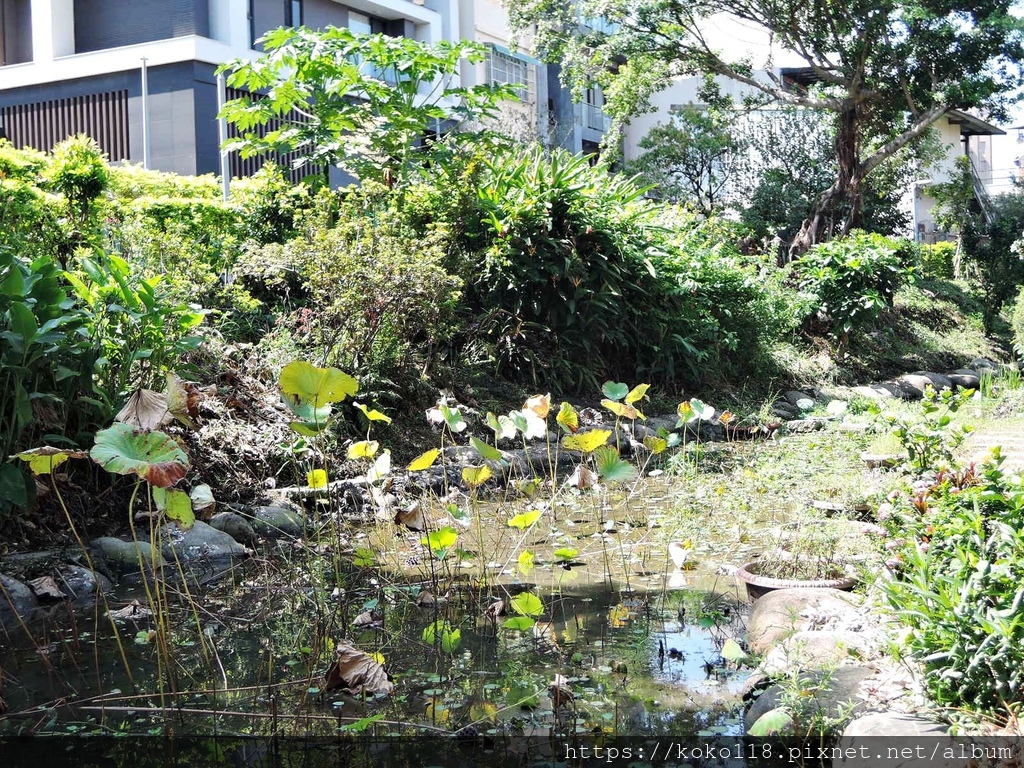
(293, 13)
(503, 68)
(362, 24)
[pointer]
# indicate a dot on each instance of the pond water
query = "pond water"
(626, 647)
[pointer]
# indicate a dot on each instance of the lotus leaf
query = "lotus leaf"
(42, 461)
(153, 456)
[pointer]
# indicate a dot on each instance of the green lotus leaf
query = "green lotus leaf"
(527, 604)
(153, 456)
(306, 383)
(176, 505)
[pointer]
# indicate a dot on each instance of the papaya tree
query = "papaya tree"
(369, 104)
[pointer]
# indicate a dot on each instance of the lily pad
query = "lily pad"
(153, 456)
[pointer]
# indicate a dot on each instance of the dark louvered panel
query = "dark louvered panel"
(241, 167)
(41, 125)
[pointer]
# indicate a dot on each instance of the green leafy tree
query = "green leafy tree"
(690, 158)
(886, 70)
(366, 103)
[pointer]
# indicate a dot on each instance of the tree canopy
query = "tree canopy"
(365, 103)
(887, 70)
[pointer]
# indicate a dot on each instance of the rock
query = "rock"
(892, 724)
(274, 522)
(784, 611)
(965, 378)
(198, 546)
(873, 393)
(914, 384)
(17, 603)
(784, 411)
(123, 556)
(893, 389)
(79, 583)
(901, 735)
(812, 651)
(838, 691)
(800, 426)
(795, 397)
(983, 364)
(938, 381)
(235, 526)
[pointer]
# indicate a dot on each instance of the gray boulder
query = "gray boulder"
(965, 378)
(79, 583)
(123, 556)
(17, 602)
(813, 652)
(894, 389)
(982, 364)
(235, 526)
(783, 612)
(873, 393)
(914, 384)
(801, 426)
(200, 543)
(892, 739)
(892, 724)
(938, 381)
(828, 694)
(275, 522)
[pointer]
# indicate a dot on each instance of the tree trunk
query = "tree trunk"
(846, 188)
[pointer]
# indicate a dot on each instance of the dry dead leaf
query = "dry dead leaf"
(46, 588)
(134, 611)
(425, 599)
(145, 410)
(183, 400)
(582, 478)
(412, 518)
(495, 609)
(356, 673)
(368, 619)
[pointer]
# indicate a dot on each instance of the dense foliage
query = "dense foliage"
(959, 584)
(853, 279)
(886, 72)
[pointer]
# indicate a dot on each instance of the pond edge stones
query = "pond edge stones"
(825, 640)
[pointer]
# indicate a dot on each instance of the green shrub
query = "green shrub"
(46, 367)
(1017, 323)
(937, 260)
(573, 277)
(373, 292)
(138, 330)
(960, 585)
(852, 279)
